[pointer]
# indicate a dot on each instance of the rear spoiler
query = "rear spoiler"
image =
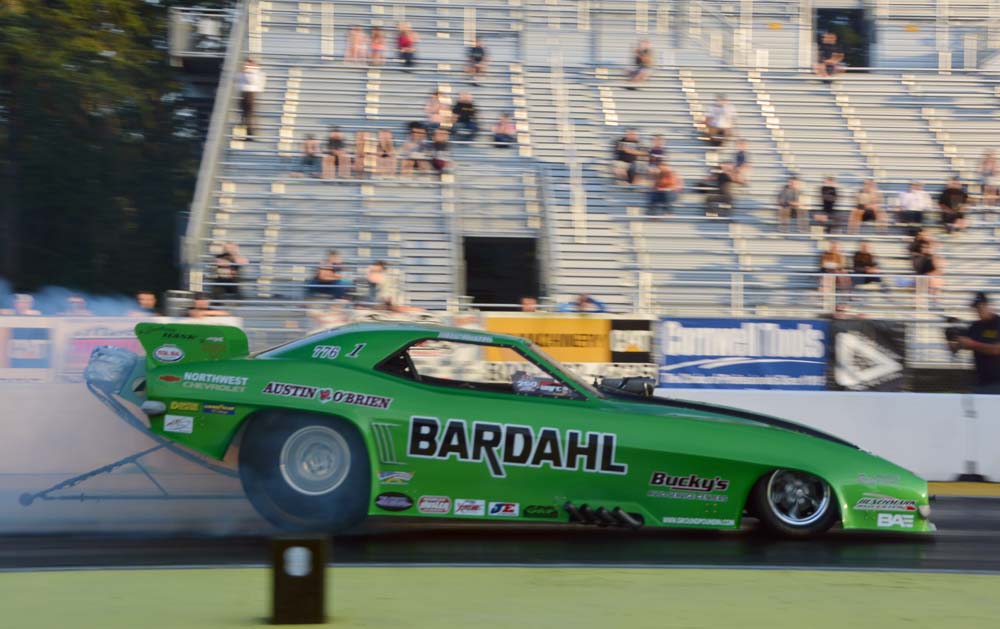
(179, 343)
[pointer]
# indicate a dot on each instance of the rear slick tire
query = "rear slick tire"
(792, 503)
(305, 472)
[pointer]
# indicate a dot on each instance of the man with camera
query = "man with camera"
(983, 339)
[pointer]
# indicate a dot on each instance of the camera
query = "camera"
(952, 332)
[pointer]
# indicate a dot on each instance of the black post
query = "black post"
(298, 587)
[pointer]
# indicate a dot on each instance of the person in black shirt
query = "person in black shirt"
(627, 154)
(228, 265)
(465, 125)
(983, 340)
(952, 202)
(865, 266)
(828, 208)
(831, 57)
(476, 66)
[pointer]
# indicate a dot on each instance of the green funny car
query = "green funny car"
(434, 422)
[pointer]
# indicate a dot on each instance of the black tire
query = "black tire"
(295, 499)
(812, 521)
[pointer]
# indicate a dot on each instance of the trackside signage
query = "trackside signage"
(743, 353)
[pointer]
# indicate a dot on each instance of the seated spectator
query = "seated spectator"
(312, 156)
(830, 60)
(356, 48)
(928, 264)
(790, 205)
(76, 306)
(627, 154)
(361, 153)
(828, 204)
(440, 151)
(529, 304)
(953, 202)
(415, 154)
(741, 164)
(476, 60)
(329, 279)
(337, 161)
(865, 265)
(666, 186)
(436, 112)
(720, 119)
(228, 266)
(657, 152)
(382, 289)
(406, 42)
(642, 58)
(385, 154)
(832, 263)
(145, 304)
(465, 124)
(377, 41)
(718, 189)
(989, 179)
(202, 307)
(868, 207)
(917, 243)
(583, 303)
(504, 132)
(913, 203)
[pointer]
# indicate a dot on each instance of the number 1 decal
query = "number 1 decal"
(357, 350)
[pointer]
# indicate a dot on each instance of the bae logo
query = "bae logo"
(505, 509)
(889, 520)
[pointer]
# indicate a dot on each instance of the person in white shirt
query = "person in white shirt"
(251, 82)
(913, 203)
(720, 118)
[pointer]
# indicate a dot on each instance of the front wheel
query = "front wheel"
(305, 472)
(794, 503)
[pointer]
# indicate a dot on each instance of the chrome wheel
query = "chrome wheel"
(315, 460)
(796, 498)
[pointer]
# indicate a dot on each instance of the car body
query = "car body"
(399, 419)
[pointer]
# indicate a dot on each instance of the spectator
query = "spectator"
(657, 152)
(251, 83)
(436, 111)
(583, 303)
(202, 307)
(983, 338)
(476, 58)
(913, 203)
(720, 118)
(828, 203)
(415, 153)
(228, 266)
(832, 263)
(312, 156)
(406, 42)
(642, 57)
(790, 205)
(465, 122)
(382, 289)
(666, 186)
(868, 207)
(385, 154)
(989, 179)
(337, 160)
(529, 304)
(361, 153)
(24, 306)
(377, 40)
(830, 58)
(953, 202)
(917, 243)
(440, 151)
(865, 265)
(329, 279)
(741, 163)
(355, 50)
(76, 306)
(627, 154)
(145, 302)
(719, 191)
(504, 132)
(928, 264)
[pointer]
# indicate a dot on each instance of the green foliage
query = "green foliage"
(96, 153)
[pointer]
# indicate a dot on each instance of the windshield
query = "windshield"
(568, 373)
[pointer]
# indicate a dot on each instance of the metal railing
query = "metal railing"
(199, 32)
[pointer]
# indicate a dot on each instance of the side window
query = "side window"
(476, 367)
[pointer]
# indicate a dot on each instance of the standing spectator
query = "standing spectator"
(476, 60)
(741, 163)
(465, 124)
(251, 83)
(436, 112)
(377, 40)
(228, 267)
(930, 265)
(720, 119)
(657, 152)
(529, 304)
(504, 132)
(415, 152)
(828, 203)
(868, 207)
(830, 58)
(312, 156)
(329, 279)
(145, 301)
(989, 178)
(361, 153)
(983, 338)
(865, 266)
(790, 205)
(953, 202)
(666, 186)
(385, 154)
(627, 154)
(832, 263)
(76, 306)
(337, 160)
(642, 59)
(355, 50)
(24, 306)
(913, 203)
(440, 151)
(202, 307)
(406, 42)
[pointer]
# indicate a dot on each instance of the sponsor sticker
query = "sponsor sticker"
(699, 521)
(283, 389)
(881, 502)
(691, 482)
(505, 509)
(170, 378)
(214, 382)
(178, 423)
(878, 479)
(890, 520)
(687, 495)
(465, 506)
(168, 353)
(541, 511)
(393, 501)
(178, 336)
(177, 405)
(325, 395)
(360, 399)
(395, 478)
(466, 337)
(434, 504)
(218, 409)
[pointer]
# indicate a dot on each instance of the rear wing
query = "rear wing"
(178, 343)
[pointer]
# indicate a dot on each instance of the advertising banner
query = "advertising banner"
(80, 336)
(743, 354)
(868, 356)
(26, 350)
